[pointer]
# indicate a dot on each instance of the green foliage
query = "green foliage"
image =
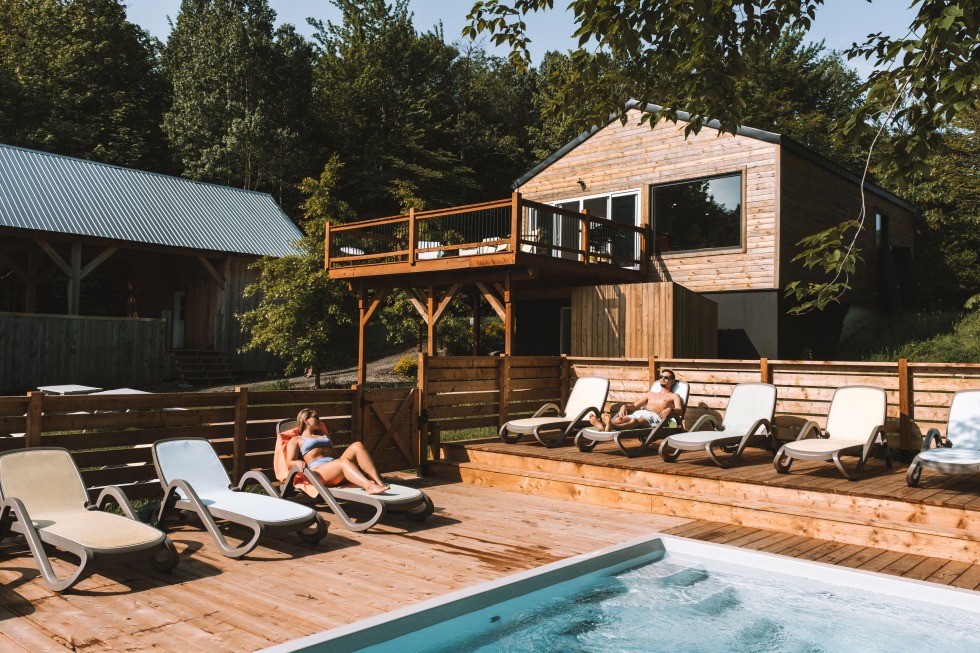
(930, 336)
(407, 366)
(241, 95)
(77, 78)
(832, 252)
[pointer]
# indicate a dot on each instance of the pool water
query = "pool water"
(678, 596)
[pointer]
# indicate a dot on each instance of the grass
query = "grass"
(468, 434)
(927, 336)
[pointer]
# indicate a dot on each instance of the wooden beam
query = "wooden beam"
(214, 273)
(904, 406)
(375, 302)
(445, 301)
(16, 269)
(53, 255)
(75, 279)
(412, 237)
(495, 303)
(430, 309)
(326, 246)
(98, 260)
(508, 319)
(418, 302)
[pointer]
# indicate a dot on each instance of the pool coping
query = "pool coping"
(384, 627)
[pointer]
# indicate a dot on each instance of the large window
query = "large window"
(698, 214)
(621, 208)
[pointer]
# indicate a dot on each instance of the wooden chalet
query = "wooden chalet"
(104, 270)
(636, 241)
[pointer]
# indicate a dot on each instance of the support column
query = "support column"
(430, 320)
(367, 305)
(75, 279)
(509, 318)
(476, 324)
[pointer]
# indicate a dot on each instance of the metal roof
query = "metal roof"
(751, 132)
(50, 192)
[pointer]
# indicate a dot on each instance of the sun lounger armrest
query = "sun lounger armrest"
(701, 421)
(875, 433)
(541, 411)
(116, 494)
(761, 424)
(810, 430)
(581, 416)
(260, 478)
(26, 526)
(932, 435)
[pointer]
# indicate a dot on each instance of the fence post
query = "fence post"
(239, 435)
(326, 247)
(412, 236)
(565, 372)
(504, 384)
(904, 407)
(515, 221)
(651, 371)
(765, 373)
(356, 408)
(422, 375)
(32, 436)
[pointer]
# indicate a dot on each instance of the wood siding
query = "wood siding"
(643, 320)
(104, 352)
(633, 156)
(839, 200)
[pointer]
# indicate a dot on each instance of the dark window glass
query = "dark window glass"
(699, 214)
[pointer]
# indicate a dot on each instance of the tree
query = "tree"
(302, 315)
(241, 95)
(78, 79)
(922, 81)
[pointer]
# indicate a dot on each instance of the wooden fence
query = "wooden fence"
(40, 350)
(110, 435)
(465, 392)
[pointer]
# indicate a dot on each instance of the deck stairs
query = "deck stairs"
(608, 479)
(202, 367)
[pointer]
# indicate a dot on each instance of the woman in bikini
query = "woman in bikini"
(311, 449)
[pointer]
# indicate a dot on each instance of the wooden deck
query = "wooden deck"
(940, 518)
(284, 590)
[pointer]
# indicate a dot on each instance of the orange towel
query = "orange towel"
(281, 467)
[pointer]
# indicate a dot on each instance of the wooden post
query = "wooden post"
(515, 221)
(765, 373)
(326, 247)
(652, 371)
(508, 319)
(565, 371)
(585, 236)
(645, 253)
(904, 406)
(75, 279)
(362, 307)
(240, 445)
(412, 236)
(32, 437)
(430, 308)
(476, 323)
(356, 410)
(504, 384)
(422, 377)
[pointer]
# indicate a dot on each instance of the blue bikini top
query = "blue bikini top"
(309, 444)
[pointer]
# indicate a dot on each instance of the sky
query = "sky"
(839, 22)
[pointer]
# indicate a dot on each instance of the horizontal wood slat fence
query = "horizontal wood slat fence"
(110, 435)
(465, 392)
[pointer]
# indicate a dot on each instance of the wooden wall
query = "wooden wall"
(104, 352)
(643, 320)
(839, 200)
(634, 156)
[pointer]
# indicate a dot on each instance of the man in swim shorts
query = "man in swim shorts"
(651, 409)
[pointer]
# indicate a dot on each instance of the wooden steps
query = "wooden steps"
(947, 531)
(202, 367)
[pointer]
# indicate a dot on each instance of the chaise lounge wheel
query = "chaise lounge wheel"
(421, 513)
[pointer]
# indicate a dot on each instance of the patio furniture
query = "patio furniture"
(855, 427)
(426, 244)
(45, 500)
(589, 437)
(415, 504)
(747, 422)
(194, 479)
(588, 396)
(961, 452)
(67, 389)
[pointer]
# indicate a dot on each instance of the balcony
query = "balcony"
(521, 236)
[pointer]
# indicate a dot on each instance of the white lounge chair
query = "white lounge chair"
(426, 256)
(961, 453)
(587, 397)
(747, 422)
(194, 479)
(589, 437)
(415, 504)
(855, 427)
(45, 500)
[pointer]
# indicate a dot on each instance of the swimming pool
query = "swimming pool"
(663, 593)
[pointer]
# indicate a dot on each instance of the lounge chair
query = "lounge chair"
(961, 454)
(589, 437)
(194, 479)
(414, 503)
(426, 244)
(45, 500)
(747, 422)
(587, 397)
(855, 427)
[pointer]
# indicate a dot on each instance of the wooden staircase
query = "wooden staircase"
(892, 522)
(201, 367)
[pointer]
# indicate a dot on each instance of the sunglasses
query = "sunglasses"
(667, 376)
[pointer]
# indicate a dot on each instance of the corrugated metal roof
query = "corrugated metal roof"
(50, 192)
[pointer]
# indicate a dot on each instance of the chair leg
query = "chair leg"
(509, 438)
(421, 512)
(169, 559)
(725, 462)
(782, 462)
(318, 532)
(914, 474)
(848, 475)
(584, 444)
(668, 453)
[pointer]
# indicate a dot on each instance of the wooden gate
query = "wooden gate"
(389, 424)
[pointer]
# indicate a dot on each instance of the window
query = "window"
(881, 231)
(621, 207)
(698, 214)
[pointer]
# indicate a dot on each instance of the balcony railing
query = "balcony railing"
(516, 226)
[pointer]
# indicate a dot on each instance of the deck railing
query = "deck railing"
(511, 225)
